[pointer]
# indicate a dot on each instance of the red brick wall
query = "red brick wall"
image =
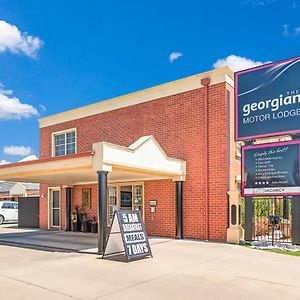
(77, 199)
(162, 222)
(177, 123)
(44, 206)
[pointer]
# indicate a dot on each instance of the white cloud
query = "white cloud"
(294, 32)
(11, 108)
(17, 150)
(295, 4)
(4, 162)
(42, 107)
(285, 30)
(237, 63)
(174, 55)
(15, 41)
(260, 2)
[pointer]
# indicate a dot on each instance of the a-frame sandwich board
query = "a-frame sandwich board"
(127, 236)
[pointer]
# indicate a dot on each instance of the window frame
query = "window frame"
(50, 206)
(65, 132)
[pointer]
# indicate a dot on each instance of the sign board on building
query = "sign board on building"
(267, 100)
(128, 236)
(271, 169)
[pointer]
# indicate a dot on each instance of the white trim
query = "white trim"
(220, 75)
(271, 190)
(50, 190)
(143, 163)
(53, 134)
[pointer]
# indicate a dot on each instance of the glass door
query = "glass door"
(126, 197)
(55, 208)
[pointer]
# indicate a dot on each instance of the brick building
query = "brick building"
(14, 190)
(172, 144)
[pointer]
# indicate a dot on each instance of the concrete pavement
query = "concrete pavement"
(37, 238)
(179, 270)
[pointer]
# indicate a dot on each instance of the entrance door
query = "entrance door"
(126, 197)
(55, 207)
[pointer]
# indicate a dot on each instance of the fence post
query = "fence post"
(235, 232)
(249, 219)
(296, 220)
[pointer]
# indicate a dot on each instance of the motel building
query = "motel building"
(167, 151)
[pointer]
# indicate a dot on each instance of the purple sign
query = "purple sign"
(267, 100)
(271, 169)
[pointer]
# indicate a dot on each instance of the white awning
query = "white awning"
(143, 160)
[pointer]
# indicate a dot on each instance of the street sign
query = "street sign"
(128, 236)
(267, 100)
(271, 169)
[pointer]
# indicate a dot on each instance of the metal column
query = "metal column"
(102, 211)
(179, 210)
(68, 208)
(296, 220)
(248, 218)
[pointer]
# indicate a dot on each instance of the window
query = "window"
(112, 198)
(138, 197)
(10, 206)
(64, 143)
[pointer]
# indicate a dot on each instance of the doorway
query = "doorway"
(125, 197)
(54, 200)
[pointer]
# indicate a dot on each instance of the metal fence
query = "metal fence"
(272, 219)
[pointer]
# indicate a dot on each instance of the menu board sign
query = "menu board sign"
(128, 236)
(271, 169)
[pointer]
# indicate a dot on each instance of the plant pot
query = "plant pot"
(74, 227)
(86, 226)
(94, 227)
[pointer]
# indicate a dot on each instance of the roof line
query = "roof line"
(224, 74)
(42, 160)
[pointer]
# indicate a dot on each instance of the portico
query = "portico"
(106, 163)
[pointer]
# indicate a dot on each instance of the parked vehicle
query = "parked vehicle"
(8, 211)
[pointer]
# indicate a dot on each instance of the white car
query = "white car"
(8, 211)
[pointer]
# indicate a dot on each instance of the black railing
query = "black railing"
(272, 219)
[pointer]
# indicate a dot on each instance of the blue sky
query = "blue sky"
(58, 55)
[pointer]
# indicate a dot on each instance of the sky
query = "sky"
(61, 54)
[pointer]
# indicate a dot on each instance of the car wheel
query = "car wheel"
(1, 219)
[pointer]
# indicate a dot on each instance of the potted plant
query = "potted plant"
(94, 225)
(86, 227)
(74, 221)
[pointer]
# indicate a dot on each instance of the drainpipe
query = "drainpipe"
(205, 82)
(179, 210)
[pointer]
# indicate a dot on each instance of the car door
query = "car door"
(7, 211)
(14, 211)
